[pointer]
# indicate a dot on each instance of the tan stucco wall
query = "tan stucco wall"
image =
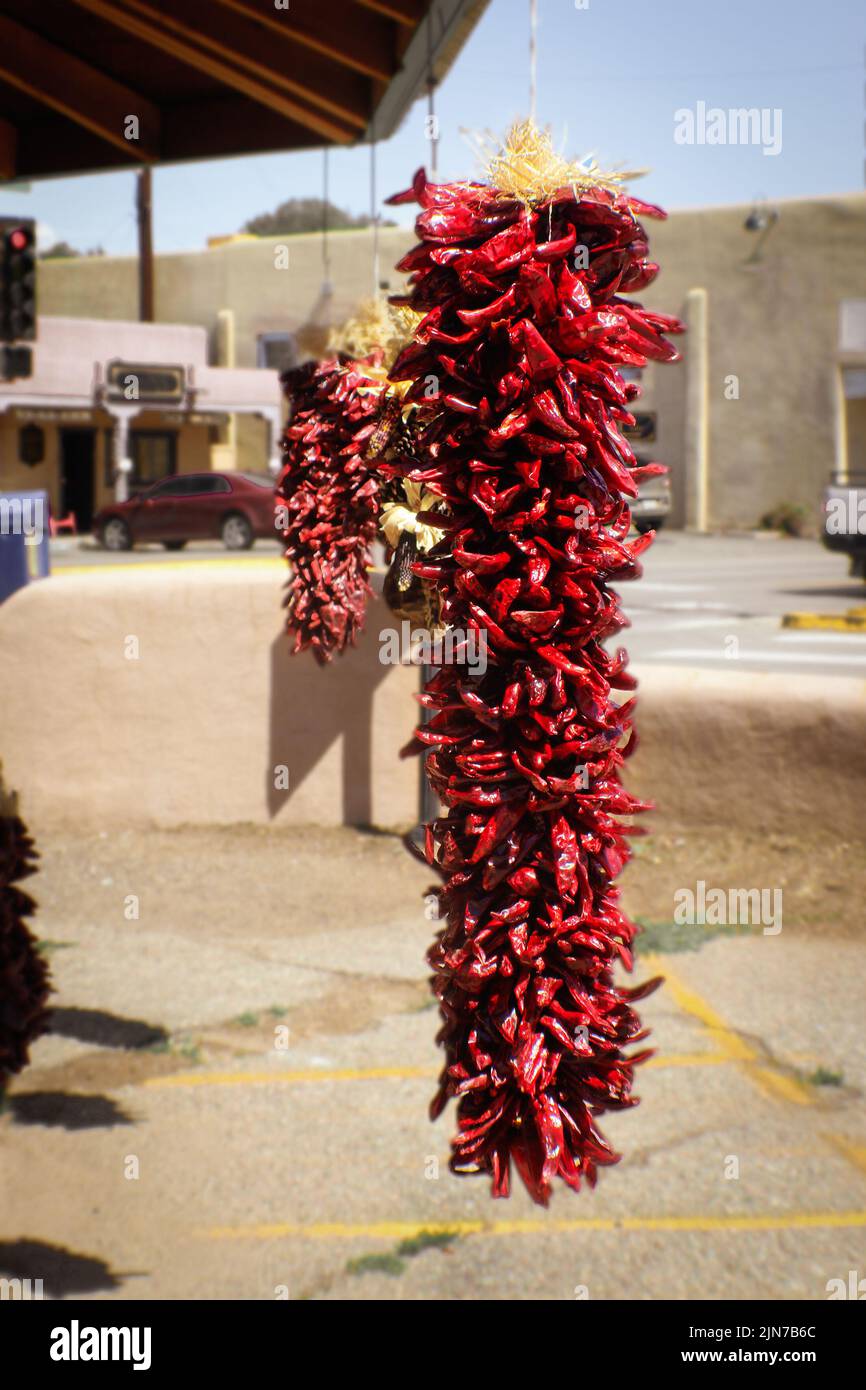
(192, 730)
(772, 323)
(192, 287)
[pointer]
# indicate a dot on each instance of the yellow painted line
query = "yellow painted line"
(149, 567)
(855, 1153)
(407, 1230)
(273, 1078)
(783, 1087)
(297, 1078)
(773, 1082)
(688, 1059)
(853, 621)
(732, 1046)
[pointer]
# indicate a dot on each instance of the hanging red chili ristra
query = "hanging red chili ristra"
(327, 500)
(24, 981)
(524, 442)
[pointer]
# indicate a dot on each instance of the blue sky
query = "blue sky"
(610, 78)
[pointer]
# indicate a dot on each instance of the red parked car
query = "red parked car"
(237, 507)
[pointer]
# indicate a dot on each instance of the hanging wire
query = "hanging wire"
(374, 214)
(533, 58)
(432, 131)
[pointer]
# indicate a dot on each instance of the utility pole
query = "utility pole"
(144, 211)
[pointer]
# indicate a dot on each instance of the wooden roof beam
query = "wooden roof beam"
(135, 18)
(406, 12)
(8, 149)
(363, 42)
(346, 96)
(81, 93)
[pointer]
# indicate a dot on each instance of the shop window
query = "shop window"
(154, 456)
(278, 351)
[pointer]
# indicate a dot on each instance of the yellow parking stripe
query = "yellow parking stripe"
(855, 1153)
(407, 1230)
(260, 1078)
(769, 1079)
(852, 621)
(297, 1078)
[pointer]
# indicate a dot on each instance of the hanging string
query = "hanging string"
(533, 58)
(432, 130)
(374, 214)
(326, 250)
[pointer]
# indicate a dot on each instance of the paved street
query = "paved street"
(704, 601)
(233, 1103)
(716, 602)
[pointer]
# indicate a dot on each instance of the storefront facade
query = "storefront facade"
(112, 408)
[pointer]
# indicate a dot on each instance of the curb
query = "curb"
(852, 621)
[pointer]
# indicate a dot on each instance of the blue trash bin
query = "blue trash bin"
(23, 539)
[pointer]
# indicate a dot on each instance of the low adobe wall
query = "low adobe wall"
(195, 728)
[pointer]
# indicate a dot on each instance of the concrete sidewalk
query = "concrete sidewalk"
(166, 1144)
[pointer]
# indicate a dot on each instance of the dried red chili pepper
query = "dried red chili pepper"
(24, 980)
(523, 444)
(327, 500)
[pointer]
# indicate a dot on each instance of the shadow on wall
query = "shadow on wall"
(310, 708)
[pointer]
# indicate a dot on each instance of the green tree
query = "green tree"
(305, 215)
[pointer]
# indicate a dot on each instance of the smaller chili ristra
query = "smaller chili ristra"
(327, 499)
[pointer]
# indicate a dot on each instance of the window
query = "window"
(207, 485)
(154, 456)
(191, 485)
(279, 351)
(174, 487)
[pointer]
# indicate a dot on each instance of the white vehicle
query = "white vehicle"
(651, 508)
(845, 518)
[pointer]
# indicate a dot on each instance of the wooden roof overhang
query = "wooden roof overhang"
(210, 78)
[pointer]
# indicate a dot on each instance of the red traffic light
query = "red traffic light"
(18, 239)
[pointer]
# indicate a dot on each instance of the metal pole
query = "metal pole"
(144, 211)
(428, 801)
(697, 411)
(432, 131)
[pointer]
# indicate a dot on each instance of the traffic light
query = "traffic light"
(15, 362)
(17, 280)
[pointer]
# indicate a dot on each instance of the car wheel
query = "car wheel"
(174, 545)
(643, 526)
(116, 534)
(237, 533)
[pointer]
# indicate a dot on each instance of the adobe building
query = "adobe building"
(112, 407)
(769, 400)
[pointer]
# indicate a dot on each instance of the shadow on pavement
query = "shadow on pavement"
(62, 1271)
(57, 1108)
(105, 1029)
(854, 590)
